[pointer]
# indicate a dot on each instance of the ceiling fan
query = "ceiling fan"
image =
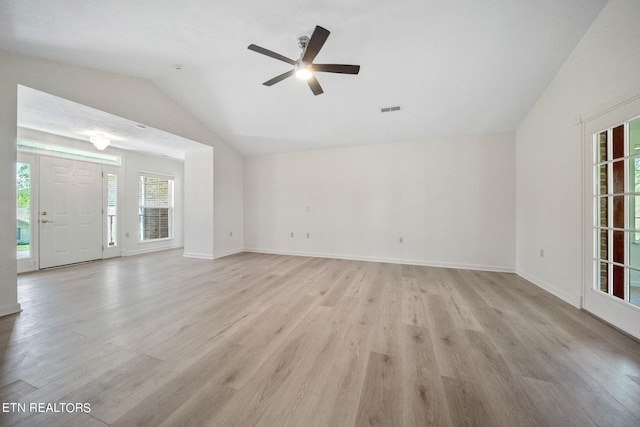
(304, 68)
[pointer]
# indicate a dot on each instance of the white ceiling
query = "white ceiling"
(48, 113)
(456, 67)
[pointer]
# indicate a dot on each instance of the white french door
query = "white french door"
(70, 211)
(611, 286)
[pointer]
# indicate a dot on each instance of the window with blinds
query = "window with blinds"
(155, 212)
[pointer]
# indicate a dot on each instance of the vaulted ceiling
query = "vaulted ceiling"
(455, 67)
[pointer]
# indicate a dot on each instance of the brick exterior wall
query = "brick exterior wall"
(603, 211)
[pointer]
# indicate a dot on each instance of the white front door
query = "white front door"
(70, 211)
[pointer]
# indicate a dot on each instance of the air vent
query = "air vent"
(390, 109)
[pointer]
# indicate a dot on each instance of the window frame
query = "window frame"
(170, 208)
(111, 232)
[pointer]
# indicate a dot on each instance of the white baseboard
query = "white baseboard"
(10, 309)
(574, 300)
(147, 251)
(423, 263)
(197, 255)
(228, 253)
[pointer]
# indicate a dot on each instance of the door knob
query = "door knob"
(44, 221)
(43, 213)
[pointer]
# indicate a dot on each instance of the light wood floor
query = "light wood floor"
(253, 339)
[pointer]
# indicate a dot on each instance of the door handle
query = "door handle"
(44, 221)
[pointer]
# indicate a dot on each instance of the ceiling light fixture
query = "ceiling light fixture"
(303, 72)
(100, 141)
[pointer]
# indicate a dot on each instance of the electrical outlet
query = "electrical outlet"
(292, 234)
(541, 253)
(126, 235)
(308, 235)
(231, 234)
(401, 240)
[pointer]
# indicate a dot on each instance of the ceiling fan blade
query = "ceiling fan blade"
(316, 42)
(315, 86)
(270, 53)
(279, 78)
(337, 68)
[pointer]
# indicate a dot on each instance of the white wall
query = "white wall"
(602, 70)
(451, 200)
(128, 97)
(134, 163)
(8, 266)
(199, 235)
(227, 203)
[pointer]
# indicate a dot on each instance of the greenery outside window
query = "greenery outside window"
(23, 210)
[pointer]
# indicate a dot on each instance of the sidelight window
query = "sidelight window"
(112, 210)
(23, 210)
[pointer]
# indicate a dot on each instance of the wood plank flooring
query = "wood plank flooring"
(269, 340)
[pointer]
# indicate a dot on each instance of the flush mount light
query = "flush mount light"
(100, 141)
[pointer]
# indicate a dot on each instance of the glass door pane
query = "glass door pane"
(23, 210)
(112, 210)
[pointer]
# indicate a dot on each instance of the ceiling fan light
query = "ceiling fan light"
(100, 141)
(304, 73)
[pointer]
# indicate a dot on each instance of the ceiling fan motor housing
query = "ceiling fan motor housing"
(303, 42)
